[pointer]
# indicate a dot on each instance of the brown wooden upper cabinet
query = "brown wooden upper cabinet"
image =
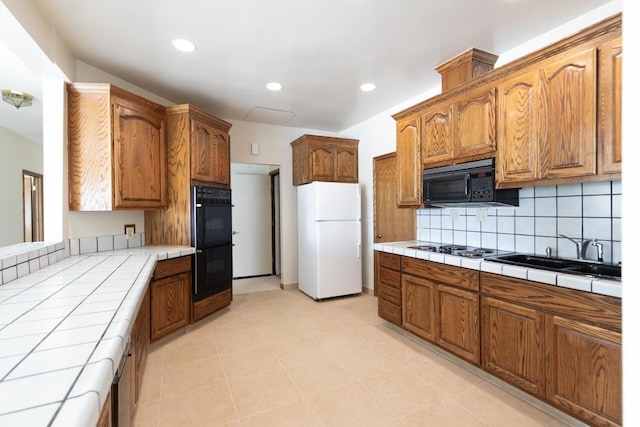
(610, 138)
(207, 140)
(322, 158)
(409, 163)
(460, 129)
(117, 149)
(548, 118)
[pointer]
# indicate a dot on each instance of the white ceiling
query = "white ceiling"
(321, 51)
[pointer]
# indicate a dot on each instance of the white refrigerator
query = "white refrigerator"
(329, 239)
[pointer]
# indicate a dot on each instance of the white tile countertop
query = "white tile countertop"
(583, 283)
(63, 330)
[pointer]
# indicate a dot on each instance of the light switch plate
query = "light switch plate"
(454, 215)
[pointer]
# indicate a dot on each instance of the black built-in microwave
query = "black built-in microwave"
(470, 184)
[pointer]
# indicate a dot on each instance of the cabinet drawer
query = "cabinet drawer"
(171, 267)
(389, 260)
(389, 277)
(390, 294)
(390, 312)
(442, 273)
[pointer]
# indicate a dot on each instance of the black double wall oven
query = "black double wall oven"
(211, 237)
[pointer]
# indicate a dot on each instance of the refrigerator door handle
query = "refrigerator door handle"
(359, 245)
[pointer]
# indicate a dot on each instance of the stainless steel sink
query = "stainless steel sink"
(562, 265)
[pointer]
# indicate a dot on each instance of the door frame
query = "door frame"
(275, 221)
(33, 207)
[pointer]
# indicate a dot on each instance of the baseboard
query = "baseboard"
(289, 286)
(367, 291)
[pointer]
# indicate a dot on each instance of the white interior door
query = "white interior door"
(251, 216)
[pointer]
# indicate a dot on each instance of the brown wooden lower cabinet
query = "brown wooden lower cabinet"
(561, 345)
(140, 335)
(418, 314)
(458, 327)
(170, 296)
(512, 344)
(105, 414)
(387, 283)
(440, 303)
(584, 370)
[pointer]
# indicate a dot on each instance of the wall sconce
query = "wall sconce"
(17, 99)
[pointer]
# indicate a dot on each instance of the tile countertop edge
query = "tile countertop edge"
(597, 286)
(98, 381)
(123, 321)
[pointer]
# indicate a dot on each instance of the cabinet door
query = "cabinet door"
(517, 152)
(475, 125)
(611, 106)
(409, 162)
(222, 174)
(346, 164)
(418, 312)
(437, 134)
(170, 304)
(458, 327)
(140, 345)
(140, 158)
(322, 162)
(568, 128)
(105, 414)
(203, 152)
(512, 344)
(209, 154)
(584, 370)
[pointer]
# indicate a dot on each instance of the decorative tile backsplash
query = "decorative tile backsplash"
(579, 211)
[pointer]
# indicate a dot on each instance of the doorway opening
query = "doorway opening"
(255, 192)
(32, 203)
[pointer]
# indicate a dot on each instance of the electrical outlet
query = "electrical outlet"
(454, 215)
(481, 215)
(129, 230)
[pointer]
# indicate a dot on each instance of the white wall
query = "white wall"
(377, 135)
(17, 153)
(275, 150)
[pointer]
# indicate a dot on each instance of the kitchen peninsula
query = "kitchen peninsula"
(66, 325)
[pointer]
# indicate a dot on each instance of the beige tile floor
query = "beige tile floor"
(278, 358)
(255, 284)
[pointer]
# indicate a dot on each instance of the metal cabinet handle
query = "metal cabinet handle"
(378, 236)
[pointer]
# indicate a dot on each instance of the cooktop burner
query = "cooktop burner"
(475, 253)
(451, 249)
(458, 250)
(424, 248)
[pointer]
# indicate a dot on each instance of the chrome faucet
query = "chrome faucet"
(582, 246)
(600, 248)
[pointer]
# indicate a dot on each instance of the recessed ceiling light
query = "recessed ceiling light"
(183, 45)
(367, 87)
(274, 86)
